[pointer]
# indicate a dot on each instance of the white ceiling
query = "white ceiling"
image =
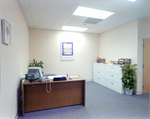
(53, 14)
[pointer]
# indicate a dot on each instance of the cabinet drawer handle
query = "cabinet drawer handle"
(112, 83)
(112, 68)
(112, 75)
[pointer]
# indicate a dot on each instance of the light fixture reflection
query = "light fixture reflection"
(93, 13)
(131, 0)
(71, 28)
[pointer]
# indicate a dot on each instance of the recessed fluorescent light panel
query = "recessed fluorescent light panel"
(93, 13)
(131, 0)
(70, 28)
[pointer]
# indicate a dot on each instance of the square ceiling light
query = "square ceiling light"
(131, 0)
(93, 13)
(71, 28)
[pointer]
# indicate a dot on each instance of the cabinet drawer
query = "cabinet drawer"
(113, 77)
(109, 83)
(99, 66)
(99, 79)
(95, 78)
(99, 73)
(118, 87)
(113, 69)
(114, 86)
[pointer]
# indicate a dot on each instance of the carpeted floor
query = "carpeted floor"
(101, 103)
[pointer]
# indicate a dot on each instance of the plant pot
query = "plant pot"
(128, 91)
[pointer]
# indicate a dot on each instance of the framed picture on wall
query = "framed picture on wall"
(6, 32)
(67, 50)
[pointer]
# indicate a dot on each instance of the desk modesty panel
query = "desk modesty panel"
(63, 93)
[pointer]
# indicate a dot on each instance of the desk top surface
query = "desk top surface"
(27, 82)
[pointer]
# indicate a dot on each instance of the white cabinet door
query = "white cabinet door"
(114, 77)
(114, 86)
(108, 75)
(113, 69)
(99, 66)
(96, 78)
(99, 73)
(99, 80)
(118, 87)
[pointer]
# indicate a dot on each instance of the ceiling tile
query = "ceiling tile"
(53, 14)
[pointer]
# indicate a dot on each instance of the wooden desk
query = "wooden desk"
(63, 93)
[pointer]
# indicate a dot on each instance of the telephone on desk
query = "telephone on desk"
(43, 79)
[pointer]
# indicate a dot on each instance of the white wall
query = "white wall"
(120, 42)
(13, 58)
(143, 32)
(45, 45)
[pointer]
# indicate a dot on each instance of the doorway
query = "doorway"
(146, 66)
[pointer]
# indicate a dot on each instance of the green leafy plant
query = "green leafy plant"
(35, 63)
(128, 78)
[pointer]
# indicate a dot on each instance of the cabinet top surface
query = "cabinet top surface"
(108, 64)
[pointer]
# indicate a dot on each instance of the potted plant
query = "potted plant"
(35, 63)
(128, 78)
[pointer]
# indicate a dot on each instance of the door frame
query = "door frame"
(143, 66)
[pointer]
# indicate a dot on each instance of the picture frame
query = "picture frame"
(6, 32)
(67, 50)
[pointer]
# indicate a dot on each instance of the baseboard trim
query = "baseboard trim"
(16, 117)
(138, 93)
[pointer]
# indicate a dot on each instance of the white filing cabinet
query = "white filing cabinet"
(99, 73)
(108, 76)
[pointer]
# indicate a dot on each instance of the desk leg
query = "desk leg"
(22, 100)
(84, 93)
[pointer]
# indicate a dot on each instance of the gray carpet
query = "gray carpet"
(101, 103)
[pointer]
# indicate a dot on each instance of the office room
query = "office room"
(36, 33)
